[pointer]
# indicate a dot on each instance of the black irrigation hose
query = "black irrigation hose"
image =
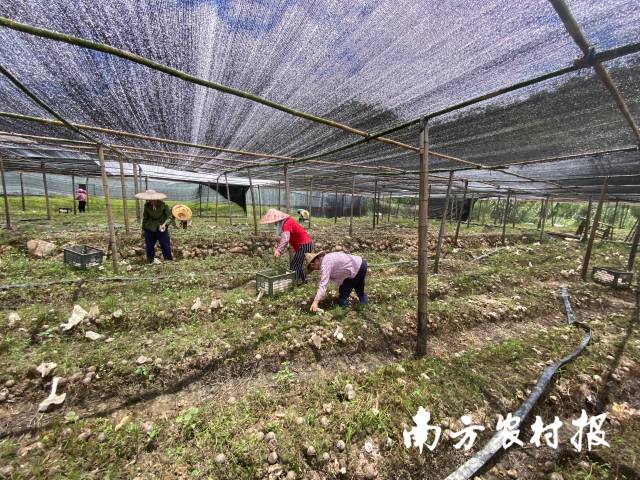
(471, 467)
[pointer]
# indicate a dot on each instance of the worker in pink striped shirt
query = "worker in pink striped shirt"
(339, 268)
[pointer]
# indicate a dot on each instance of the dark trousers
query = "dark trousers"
(150, 239)
(81, 206)
(297, 261)
(356, 283)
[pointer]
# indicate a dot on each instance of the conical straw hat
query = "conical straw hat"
(150, 195)
(273, 216)
(181, 212)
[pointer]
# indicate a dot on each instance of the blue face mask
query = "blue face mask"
(278, 227)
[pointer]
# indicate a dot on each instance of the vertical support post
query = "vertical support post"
(123, 194)
(514, 212)
(279, 200)
(136, 189)
(594, 229)
(353, 191)
(208, 191)
(540, 215)
(46, 191)
(436, 262)
(585, 233)
(359, 205)
(423, 209)
(623, 216)
(543, 218)
(398, 207)
(146, 182)
(226, 181)
(200, 200)
(107, 202)
(7, 215)
(322, 204)
(335, 214)
(287, 197)
(259, 196)
(24, 207)
(310, 201)
(342, 205)
(73, 192)
(472, 203)
(375, 196)
(253, 204)
(415, 207)
(86, 207)
(217, 197)
(615, 214)
(389, 212)
(505, 216)
(460, 210)
(634, 249)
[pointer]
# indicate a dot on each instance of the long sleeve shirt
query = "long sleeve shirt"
(152, 218)
(284, 241)
(294, 234)
(335, 268)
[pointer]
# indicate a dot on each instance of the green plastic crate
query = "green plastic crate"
(275, 281)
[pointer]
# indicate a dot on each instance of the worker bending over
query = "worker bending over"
(339, 268)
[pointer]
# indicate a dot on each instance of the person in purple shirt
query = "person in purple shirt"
(339, 268)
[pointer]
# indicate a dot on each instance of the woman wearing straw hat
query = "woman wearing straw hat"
(155, 219)
(183, 214)
(291, 233)
(347, 271)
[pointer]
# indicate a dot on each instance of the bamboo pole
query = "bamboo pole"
(136, 189)
(460, 210)
(335, 214)
(359, 205)
(46, 191)
(353, 192)
(544, 216)
(634, 249)
(287, 193)
(208, 191)
(73, 192)
(342, 205)
(375, 194)
(389, 212)
(226, 181)
(253, 203)
(423, 296)
(594, 230)
(436, 262)
(505, 217)
(615, 214)
(259, 197)
(585, 233)
(123, 193)
(540, 214)
(279, 200)
(5, 195)
(217, 197)
(24, 206)
(472, 203)
(107, 202)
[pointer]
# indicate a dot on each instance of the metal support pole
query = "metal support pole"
(136, 189)
(436, 262)
(585, 233)
(335, 215)
(107, 202)
(253, 203)
(24, 206)
(505, 216)
(217, 197)
(123, 194)
(543, 219)
(594, 229)
(472, 203)
(310, 201)
(287, 196)
(375, 195)
(226, 181)
(5, 195)
(353, 191)
(423, 209)
(46, 191)
(460, 210)
(73, 192)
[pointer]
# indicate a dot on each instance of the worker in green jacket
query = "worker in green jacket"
(155, 220)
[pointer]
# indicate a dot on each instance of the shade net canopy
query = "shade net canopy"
(367, 65)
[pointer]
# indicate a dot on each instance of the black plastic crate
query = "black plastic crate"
(83, 256)
(612, 277)
(275, 281)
